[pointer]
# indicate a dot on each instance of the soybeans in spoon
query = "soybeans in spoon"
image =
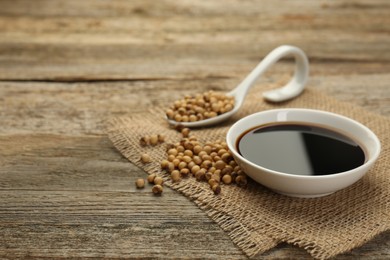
(212, 107)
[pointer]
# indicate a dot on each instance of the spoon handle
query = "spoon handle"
(292, 89)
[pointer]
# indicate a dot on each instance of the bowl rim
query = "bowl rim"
(366, 164)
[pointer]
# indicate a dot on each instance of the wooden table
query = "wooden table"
(66, 66)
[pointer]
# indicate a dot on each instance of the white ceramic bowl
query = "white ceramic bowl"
(300, 185)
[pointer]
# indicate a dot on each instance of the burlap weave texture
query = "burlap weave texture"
(256, 218)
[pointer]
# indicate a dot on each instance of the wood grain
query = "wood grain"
(67, 66)
(145, 40)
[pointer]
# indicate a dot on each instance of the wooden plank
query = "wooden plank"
(91, 8)
(94, 211)
(96, 224)
(110, 224)
(72, 180)
(82, 108)
(184, 40)
(48, 211)
(66, 66)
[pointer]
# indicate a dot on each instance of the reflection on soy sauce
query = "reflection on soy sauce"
(300, 149)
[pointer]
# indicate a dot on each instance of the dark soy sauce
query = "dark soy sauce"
(300, 149)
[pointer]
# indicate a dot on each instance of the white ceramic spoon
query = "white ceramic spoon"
(289, 91)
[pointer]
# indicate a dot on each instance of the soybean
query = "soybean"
(211, 162)
(140, 183)
(201, 106)
(157, 189)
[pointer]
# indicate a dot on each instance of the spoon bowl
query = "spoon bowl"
(209, 121)
(291, 90)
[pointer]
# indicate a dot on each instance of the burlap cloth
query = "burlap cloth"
(256, 218)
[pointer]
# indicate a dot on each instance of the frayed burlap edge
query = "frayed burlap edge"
(201, 195)
(250, 240)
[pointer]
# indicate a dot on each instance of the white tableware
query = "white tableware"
(299, 185)
(291, 90)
